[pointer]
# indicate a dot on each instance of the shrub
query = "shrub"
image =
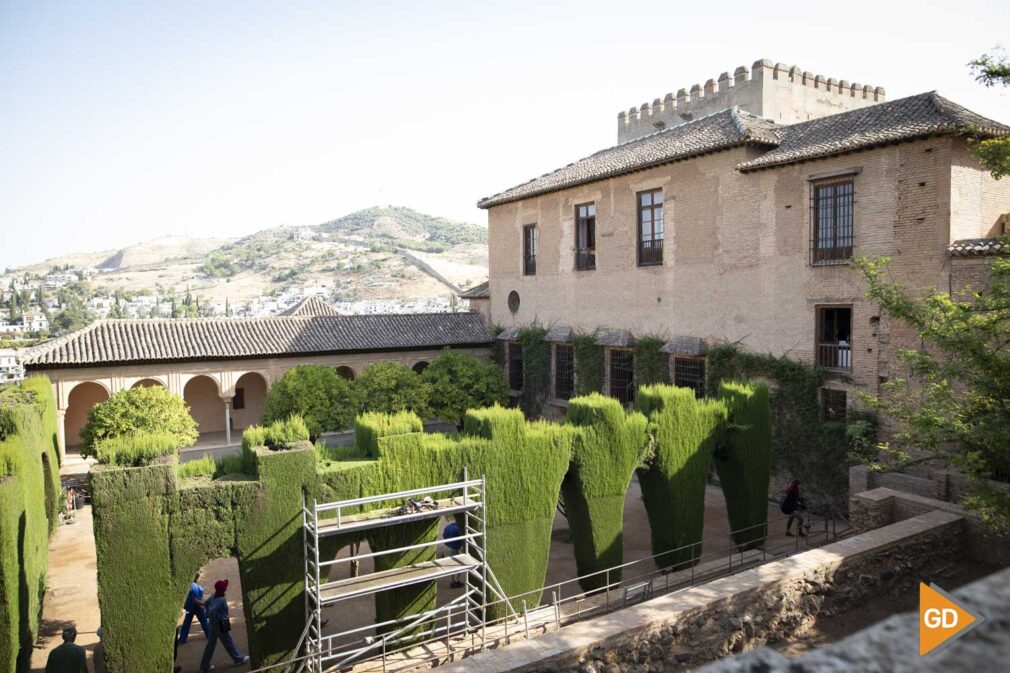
(369, 427)
(316, 393)
(231, 465)
(389, 387)
(536, 370)
(458, 382)
(588, 364)
(201, 467)
(286, 433)
(743, 461)
(135, 449)
(139, 410)
(685, 431)
(605, 453)
(651, 365)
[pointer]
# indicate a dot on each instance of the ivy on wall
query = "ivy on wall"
(651, 364)
(588, 364)
(536, 370)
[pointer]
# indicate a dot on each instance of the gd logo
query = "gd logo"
(941, 620)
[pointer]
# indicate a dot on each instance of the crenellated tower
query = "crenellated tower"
(783, 93)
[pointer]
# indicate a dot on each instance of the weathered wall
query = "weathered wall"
(738, 241)
(681, 630)
(893, 644)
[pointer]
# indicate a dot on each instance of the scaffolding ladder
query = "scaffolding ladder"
(466, 499)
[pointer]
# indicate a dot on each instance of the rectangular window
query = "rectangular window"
(622, 375)
(564, 371)
(238, 402)
(530, 250)
(834, 337)
(585, 237)
(834, 404)
(690, 373)
(650, 228)
(515, 366)
(831, 208)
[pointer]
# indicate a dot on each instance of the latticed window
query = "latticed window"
(650, 228)
(585, 237)
(834, 404)
(530, 250)
(564, 371)
(834, 337)
(622, 375)
(831, 209)
(690, 373)
(515, 366)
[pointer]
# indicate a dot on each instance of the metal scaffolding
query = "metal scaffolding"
(465, 499)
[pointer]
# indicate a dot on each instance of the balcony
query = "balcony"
(835, 355)
(650, 253)
(585, 259)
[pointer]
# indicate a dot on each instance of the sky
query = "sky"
(124, 122)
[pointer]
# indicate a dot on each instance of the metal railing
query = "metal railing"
(585, 259)
(650, 253)
(440, 639)
(834, 355)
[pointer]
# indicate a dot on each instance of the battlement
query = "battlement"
(783, 93)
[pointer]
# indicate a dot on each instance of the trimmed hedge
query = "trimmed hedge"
(369, 427)
(609, 446)
(135, 449)
(588, 364)
(743, 461)
(29, 511)
(686, 431)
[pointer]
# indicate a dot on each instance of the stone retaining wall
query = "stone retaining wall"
(757, 606)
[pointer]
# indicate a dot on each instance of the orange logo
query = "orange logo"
(941, 620)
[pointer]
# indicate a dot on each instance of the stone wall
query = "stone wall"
(892, 645)
(882, 506)
(733, 614)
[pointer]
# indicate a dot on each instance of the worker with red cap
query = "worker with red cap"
(220, 628)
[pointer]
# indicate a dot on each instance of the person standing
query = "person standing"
(452, 548)
(220, 628)
(194, 607)
(68, 657)
(792, 506)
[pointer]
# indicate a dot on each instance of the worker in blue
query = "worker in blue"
(452, 547)
(220, 628)
(194, 607)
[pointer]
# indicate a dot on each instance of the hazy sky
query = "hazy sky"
(121, 122)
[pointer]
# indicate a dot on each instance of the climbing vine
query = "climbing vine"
(536, 370)
(588, 364)
(650, 362)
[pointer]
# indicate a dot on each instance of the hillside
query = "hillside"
(380, 253)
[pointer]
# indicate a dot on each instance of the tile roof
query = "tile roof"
(121, 341)
(979, 247)
(729, 128)
(310, 306)
(482, 291)
(902, 119)
(685, 345)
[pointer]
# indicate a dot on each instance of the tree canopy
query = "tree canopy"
(139, 410)
(388, 387)
(316, 393)
(458, 382)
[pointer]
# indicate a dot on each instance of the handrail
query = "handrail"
(330, 506)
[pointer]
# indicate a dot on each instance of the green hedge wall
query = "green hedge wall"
(609, 446)
(686, 431)
(29, 510)
(588, 364)
(743, 461)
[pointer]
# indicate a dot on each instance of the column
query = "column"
(227, 420)
(61, 433)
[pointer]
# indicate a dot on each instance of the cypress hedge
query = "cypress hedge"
(588, 364)
(29, 510)
(685, 432)
(609, 446)
(743, 460)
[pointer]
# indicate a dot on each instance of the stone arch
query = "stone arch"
(203, 395)
(148, 382)
(80, 401)
(249, 400)
(345, 372)
(420, 366)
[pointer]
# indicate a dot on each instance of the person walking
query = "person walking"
(194, 607)
(220, 628)
(68, 657)
(792, 506)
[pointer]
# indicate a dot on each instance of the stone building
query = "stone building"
(732, 215)
(223, 367)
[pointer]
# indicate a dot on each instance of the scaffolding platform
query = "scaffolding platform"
(331, 593)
